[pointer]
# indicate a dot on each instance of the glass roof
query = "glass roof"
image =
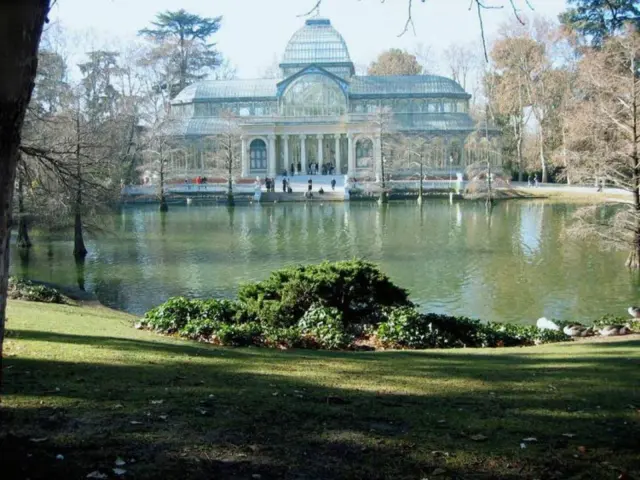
(317, 42)
(388, 86)
(402, 85)
(227, 89)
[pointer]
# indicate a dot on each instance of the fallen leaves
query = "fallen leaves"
(135, 422)
(119, 471)
(478, 437)
(157, 402)
(569, 435)
(120, 462)
(39, 439)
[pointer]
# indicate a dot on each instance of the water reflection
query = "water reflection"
(507, 264)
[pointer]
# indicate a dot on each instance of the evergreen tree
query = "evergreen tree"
(184, 37)
(597, 20)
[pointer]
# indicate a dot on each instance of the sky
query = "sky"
(255, 32)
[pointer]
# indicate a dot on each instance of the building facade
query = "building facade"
(321, 112)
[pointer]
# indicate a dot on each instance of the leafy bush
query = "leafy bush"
(25, 290)
(357, 289)
(324, 327)
(407, 328)
(282, 337)
(173, 315)
(237, 334)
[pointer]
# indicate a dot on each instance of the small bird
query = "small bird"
(634, 312)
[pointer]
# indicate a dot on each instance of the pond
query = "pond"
(512, 265)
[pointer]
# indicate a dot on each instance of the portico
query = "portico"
(301, 150)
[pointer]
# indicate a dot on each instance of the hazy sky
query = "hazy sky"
(254, 31)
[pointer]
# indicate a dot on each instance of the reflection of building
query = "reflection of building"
(321, 112)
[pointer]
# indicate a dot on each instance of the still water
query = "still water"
(512, 265)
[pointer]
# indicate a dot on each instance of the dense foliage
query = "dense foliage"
(25, 290)
(407, 328)
(356, 289)
(331, 306)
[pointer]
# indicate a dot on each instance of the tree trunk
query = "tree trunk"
(230, 200)
(79, 249)
(23, 229)
(20, 29)
(543, 163)
(163, 201)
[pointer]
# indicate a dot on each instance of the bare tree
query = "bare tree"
(426, 58)
(461, 61)
(227, 150)
(411, 151)
(382, 127)
(610, 114)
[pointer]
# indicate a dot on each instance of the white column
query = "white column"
(377, 149)
(244, 158)
(337, 162)
(272, 160)
(285, 149)
(351, 158)
(320, 159)
(303, 153)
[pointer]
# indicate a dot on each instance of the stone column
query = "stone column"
(351, 158)
(337, 162)
(272, 160)
(285, 149)
(320, 157)
(244, 158)
(377, 155)
(303, 154)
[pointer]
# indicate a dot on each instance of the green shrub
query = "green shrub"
(173, 315)
(237, 334)
(407, 328)
(282, 337)
(20, 289)
(357, 289)
(324, 328)
(192, 318)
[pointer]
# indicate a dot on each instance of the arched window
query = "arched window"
(364, 153)
(258, 155)
(313, 95)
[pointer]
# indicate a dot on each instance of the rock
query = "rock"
(438, 471)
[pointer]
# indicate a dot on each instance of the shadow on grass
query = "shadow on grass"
(237, 413)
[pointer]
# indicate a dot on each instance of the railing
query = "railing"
(186, 188)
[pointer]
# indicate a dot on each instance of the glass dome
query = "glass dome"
(317, 42)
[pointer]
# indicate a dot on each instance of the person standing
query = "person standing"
(292, 169)
(284, 185)
(333, 184)
(310, 186)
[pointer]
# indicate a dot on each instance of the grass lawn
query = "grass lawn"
(84, 384)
